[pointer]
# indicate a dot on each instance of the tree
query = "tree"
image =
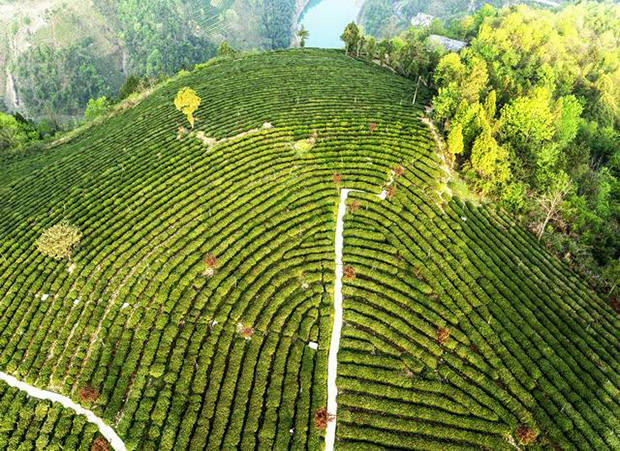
(490, 161)
(455, 140)
(131, 85)
(59, 241)
(302, 34)
(552, 200)
(371, 48)
(527, 123)
(225, 50)
(350, 36)
(490, 105)
(187, 102)
(96, 107)
(15, 132)
(568, 116)
(450, 69)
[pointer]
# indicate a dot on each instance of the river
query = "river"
(326, 19)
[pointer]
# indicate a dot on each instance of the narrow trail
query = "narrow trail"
(334, 343)
(106, 431)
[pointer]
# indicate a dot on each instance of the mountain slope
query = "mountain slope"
(206, 268)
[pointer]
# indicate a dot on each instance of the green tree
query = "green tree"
(490, 161)
(371, 48)
(527, 123)
(303, 34)
(15, 134)
(96, 107)
(568, 116)
(490, 105)
(455, 140)
(225, 50)
(131, 85)
(351, 37)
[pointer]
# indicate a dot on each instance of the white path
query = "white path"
(334, 343)
(105, 430)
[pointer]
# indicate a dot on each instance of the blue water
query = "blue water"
(326, 21)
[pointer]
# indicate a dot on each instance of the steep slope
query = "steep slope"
(205, 277)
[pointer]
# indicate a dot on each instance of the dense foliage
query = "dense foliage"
(535, 100)
(277, 22)
(61, 81)
(410, 54)
(388, 18)
(15, 133)
(198, 306)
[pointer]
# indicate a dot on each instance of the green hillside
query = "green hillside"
(206, 268)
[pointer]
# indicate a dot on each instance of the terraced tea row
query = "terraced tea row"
(197, 311)
(180, 357)
(27, 423)
(461, 331)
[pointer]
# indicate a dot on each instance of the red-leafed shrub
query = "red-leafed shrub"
(443, 334)
(210, 264)
(337, 179)
(355, 205)
(322, 418)
(372, 127)
(526, 434)
(88, 394)
(100, 444)
(391, 191)
(348, 272)
(245, 331)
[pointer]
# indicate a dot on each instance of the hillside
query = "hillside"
(56, 55)
(198, 310)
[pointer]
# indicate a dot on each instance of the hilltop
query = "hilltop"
(198, 309)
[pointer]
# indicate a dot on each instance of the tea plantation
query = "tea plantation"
(190, 311)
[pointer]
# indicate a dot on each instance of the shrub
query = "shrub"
(337, 179)
(245, 331)
(349, 272)
(59, 241)
(355, 205)
(442, 335)
(391, 191)
(88, 394)
(526, 434)
(322, 418)
(99, 444)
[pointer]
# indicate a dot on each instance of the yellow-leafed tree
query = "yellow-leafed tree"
(187, 102)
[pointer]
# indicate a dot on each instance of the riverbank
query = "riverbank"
(300, 8)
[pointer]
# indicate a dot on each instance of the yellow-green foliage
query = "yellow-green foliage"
(59, 240)
(187, 102)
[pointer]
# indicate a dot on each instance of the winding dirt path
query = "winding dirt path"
(106, 431)
(334, 343)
